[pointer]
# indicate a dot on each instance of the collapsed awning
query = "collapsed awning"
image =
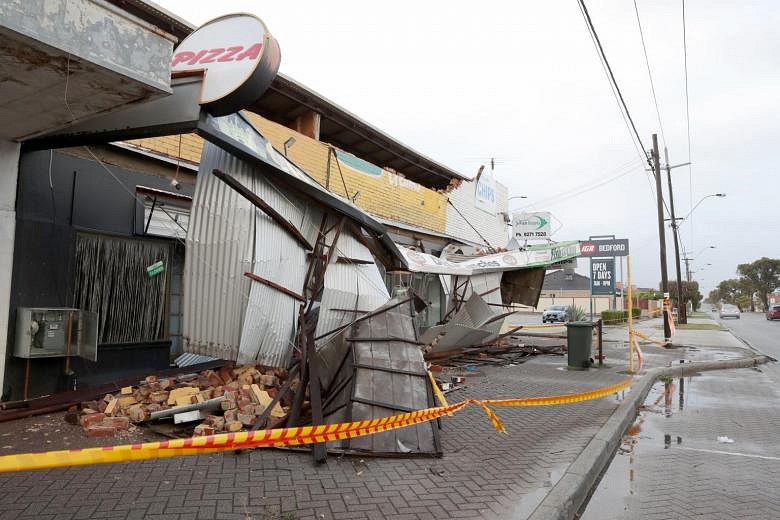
(533, 256)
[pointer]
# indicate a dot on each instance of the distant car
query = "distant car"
(555, 313)
(729, 311)
(773, 313)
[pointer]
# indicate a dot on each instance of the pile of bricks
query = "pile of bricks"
(247, 390)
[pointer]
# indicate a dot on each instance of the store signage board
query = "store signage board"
(532, 226)
(238, 58)
(485, 193)
(540, 256)
(603, 248)
(571, 263)
(602, 275)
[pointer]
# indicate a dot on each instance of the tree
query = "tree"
(736, 291)
(690, 293)
(649, 295)
(763, 277)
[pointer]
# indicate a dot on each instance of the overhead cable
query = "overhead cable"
(611, 75)
(649, 74)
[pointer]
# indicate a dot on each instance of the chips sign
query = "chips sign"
(532, 226)
(602, 276)
(485, 193)
(604, 247)
(238, 58)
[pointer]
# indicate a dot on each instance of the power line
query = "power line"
(649, 73)
(613, 175)
(643, 155)
(687, 116)
(595, 35)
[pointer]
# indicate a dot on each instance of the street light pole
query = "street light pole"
(682, 314)
(661, 233)
(688, 259)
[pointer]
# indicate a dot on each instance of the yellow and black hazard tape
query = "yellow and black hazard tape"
(278, 437)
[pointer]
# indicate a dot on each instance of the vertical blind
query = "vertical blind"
(111, 279)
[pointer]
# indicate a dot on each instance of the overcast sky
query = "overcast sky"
(521, 82)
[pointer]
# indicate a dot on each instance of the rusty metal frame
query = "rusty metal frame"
(274, 285)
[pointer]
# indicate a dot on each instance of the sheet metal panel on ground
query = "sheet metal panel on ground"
(375, 369)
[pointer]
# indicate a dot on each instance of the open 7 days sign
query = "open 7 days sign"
(602, 276)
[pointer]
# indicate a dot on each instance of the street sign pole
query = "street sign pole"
(590, 287)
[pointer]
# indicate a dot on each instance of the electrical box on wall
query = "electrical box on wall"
(55, 332)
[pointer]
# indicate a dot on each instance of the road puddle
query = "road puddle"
(613, 496)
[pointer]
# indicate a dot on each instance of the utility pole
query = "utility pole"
(688, 269)
(682, 308)
(661, 233)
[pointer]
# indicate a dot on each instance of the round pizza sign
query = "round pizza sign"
(238, 58)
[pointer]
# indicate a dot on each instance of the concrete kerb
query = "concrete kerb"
(569, 494)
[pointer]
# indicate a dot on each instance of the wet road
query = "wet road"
(755, 329)
(704, 446)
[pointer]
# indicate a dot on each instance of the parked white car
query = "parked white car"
(556, 313)
(729, 311)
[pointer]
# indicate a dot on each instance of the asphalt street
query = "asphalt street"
(756, 330)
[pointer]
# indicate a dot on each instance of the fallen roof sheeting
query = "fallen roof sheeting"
(474, 324)
(375, 368)
(533, 256)
(249, 261)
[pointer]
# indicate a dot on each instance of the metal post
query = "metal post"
(682, 314)
(599, 326)
(622, 287)
(661, 233)
(590, 288)
(630, 318)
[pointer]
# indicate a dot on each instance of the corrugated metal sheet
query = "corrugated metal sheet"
(220, 248)
(272, 316)
(349, 286)
(186, 360)
(226, 315)
(482, 283)
(475, 323)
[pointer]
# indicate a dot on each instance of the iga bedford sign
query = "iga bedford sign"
(602, 276)
(238, 58)
(529, 226)
(604, 247)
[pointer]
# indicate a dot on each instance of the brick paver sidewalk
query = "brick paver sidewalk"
(483, 474)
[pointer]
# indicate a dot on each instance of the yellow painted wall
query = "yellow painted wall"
(389, 195)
